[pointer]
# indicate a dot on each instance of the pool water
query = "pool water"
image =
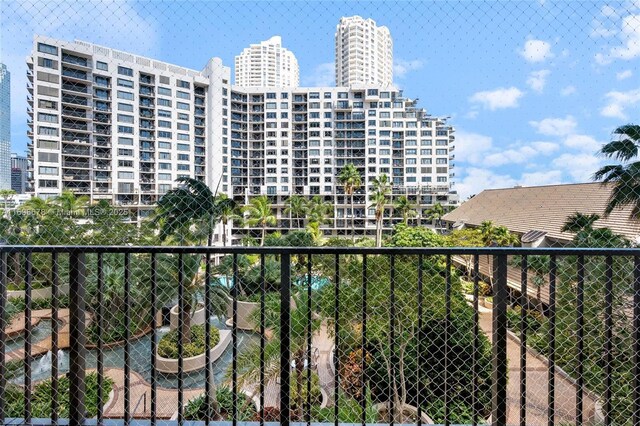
(316, 282)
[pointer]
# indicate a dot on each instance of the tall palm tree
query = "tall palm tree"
(319, 211)
(579, 222)
(379, 200)
(406, 208)
(191, 203)
(260, 213)
(5, 194)
(625, 176)
(225, 210)
(350, 179)
(296, 207)
(71, 204)
(435, 213)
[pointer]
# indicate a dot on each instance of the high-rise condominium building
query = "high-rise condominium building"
(121, 127)
(267, 64)
(19, 168)
(364, 53)
(5, 127)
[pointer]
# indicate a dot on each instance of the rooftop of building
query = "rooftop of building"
(545, 209)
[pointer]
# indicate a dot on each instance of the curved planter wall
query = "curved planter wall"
(245, 311)
(197, 317)
(170, 365)
(383, 407)
(39, 293)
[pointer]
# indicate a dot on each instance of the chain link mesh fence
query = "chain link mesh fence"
(517, 306)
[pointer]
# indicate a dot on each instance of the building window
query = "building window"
(183, 84)
(125, 175)
(125, 141)
(47, 48)
(183, 95)
(165, 135)
(49, 131)
(102, 66)
(125, 95)
(164, 112)
(125, 83)
(164, 176)
(125, 129)
(183, 147)
(125, 71)
(43, 170)
(182, 105)
(125, 107)
(164, 102)
(125, 118)
(49, 118)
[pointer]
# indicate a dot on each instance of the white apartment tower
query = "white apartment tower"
(121, 127)
(267, 64)
(364, 53)
(5, 128)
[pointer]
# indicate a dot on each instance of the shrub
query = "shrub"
(168, 345)
(316, 393)
(351, 373)
(196, 409)
(42, 395)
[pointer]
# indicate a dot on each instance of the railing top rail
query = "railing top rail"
(573, 251)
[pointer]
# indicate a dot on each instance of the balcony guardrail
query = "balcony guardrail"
(386, 330)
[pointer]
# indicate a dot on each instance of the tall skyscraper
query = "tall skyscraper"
(19, 167)
(364, 53)
(5, 127)
(267, 64)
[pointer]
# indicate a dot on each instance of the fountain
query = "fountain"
(44, 364)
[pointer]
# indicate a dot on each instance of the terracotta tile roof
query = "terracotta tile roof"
(545, 208)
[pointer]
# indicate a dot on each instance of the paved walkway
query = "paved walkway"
(537, 383)
(45, 345)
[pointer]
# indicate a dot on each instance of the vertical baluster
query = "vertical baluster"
(77, 337)
(263, 337)
(285, 337)
(28, 358)
(392, 338)
(309, 340)
(421, 339)
(552, 342)
(447, 334)
(208, 388)
(99, 326)
(580, 341)
(476, 340)
(363, 402)
(524, 275)
(154, 337)
(181, 309)
(3, 326)
(234, 343)
(608, 340)
(500, 370)
(336, 354)
(127, 337)
(636, 341)
(54, 337)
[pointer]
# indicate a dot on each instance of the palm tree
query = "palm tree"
(435, 213)
(319, 211)
(381, 188)
(225, 210)
(180, 208)
(579, 222)
(6, 194)
(350, 179)
(406, 209)
(296, 207)
(625, 176)
(71, 204)
(260, 213)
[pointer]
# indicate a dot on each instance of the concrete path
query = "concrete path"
(537, 386)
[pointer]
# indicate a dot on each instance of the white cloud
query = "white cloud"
(583, 143)
(472, 115)
(536, 51)
(471, 147)
(478, 179)
(323, 75)
(498, 98)
(510, 156)
(545, 148)
(630, 49)
(555, 126)
(580, 167)
(567, 91)
(618, 102)
(624, 74)
(547, 177)
(401, 66)
(537, 80)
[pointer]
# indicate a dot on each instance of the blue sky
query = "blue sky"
(534, 88)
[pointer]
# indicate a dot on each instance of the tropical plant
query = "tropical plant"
(225, 209)
(260, 214)
(191, 203)
(407, 236)
(625, 176)
(168, 344)
(381, 188)
(296, 208)
(405, 208)
(579, 221)
(71, 204)
(351, 180)
(5, 194)
(435, 213)
(319, 211)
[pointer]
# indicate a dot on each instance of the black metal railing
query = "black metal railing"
(385, 312)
